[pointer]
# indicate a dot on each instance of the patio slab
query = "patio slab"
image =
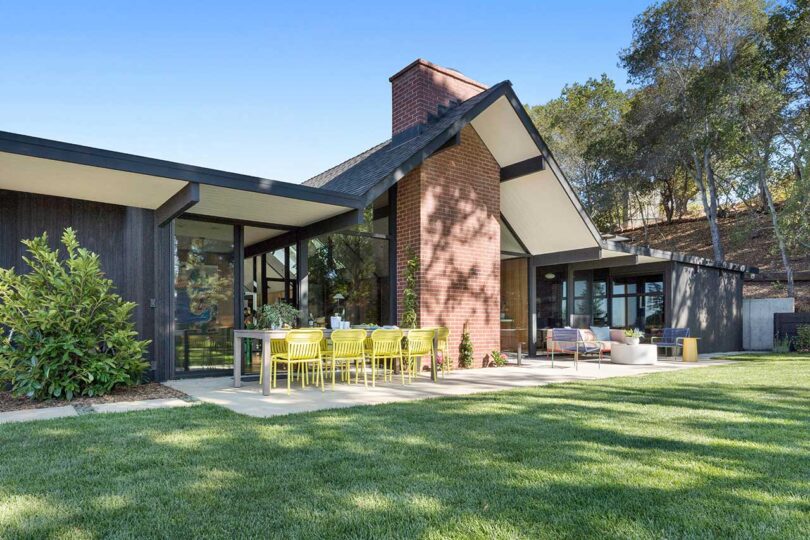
(141, 405)
(249, 400)
(47, 413)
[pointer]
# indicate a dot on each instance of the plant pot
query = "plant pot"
(632, 340)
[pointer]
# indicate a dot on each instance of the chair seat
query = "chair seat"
(586, 349)
(666, 344)
(285, 358)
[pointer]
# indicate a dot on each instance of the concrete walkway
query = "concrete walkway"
(26, 415)
(249, 399)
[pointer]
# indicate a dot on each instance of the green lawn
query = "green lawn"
(713, 452)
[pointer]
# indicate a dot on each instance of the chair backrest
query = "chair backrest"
(420, 341)
(278, 346)
(565, 334)
(386, 342)
(671, 334)
(444, 337)
(304, 344)
(348, 343)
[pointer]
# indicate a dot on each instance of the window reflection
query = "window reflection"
(348, 276)
(203, 295)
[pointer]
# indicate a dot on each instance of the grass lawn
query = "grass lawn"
(712, 452)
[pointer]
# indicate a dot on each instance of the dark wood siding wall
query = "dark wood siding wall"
(709, 302)
(123, 237)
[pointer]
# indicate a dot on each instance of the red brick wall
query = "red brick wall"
(421, 87)
(447, 212)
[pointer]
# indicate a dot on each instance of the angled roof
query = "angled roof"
(375, 170)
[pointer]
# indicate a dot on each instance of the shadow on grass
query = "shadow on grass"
(711, 452)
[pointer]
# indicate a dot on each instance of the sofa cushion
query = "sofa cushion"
(601, 333)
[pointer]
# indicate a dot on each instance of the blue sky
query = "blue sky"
(276, 90)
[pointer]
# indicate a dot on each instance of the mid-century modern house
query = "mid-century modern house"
(465, 184)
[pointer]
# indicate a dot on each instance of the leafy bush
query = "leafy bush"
(802, 340)
(499, 359)
(465, 349)
(63, 332)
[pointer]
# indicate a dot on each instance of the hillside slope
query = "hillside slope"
(747, 239)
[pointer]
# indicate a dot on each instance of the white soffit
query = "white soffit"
(261, 207)
(254, 235)
(542, 215)
(64, 179)
(504, 134)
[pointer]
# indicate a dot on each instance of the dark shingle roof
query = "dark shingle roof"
(361, 173)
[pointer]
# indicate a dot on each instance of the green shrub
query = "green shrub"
(802, 340)
(410, 298)
(781, 344)
(499, 359)
(63, 332)
(465, 349)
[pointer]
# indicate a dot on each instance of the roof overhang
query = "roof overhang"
(46, 167)
(610, 254)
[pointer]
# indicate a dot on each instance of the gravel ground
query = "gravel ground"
(132, 393)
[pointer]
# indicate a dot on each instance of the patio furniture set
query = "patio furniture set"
(306, 353)
(599, 341)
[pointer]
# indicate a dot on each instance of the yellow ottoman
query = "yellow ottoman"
(690, 349)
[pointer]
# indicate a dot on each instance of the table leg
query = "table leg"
(433, 356)
(266, 366)
(237, 362)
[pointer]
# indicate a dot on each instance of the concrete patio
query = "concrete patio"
(536, 372)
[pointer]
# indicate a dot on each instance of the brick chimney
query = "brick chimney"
(420, 88)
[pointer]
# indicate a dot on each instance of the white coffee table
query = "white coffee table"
(621, 353)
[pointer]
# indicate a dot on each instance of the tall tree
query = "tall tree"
(579, 127)
(682, 49)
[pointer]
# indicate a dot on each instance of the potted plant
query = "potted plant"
(276, 315)
(633, 336)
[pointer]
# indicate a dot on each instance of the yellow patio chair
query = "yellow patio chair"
(419, 343)
(386, 346)
(277, 346)
(348, 346)
(303, 349)
(444, 348)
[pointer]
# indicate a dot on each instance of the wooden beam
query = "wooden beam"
(178, 204)
(522, 168)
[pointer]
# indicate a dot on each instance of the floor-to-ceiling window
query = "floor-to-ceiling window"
(203, 295)
(552, 297)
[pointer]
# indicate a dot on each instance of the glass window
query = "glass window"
(619, 320)
(599, 298)
(348, 276)
(638, 301)
(203, 295)
(582, 299)
(552, 292)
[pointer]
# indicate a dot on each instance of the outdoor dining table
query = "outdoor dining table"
(266, 335)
